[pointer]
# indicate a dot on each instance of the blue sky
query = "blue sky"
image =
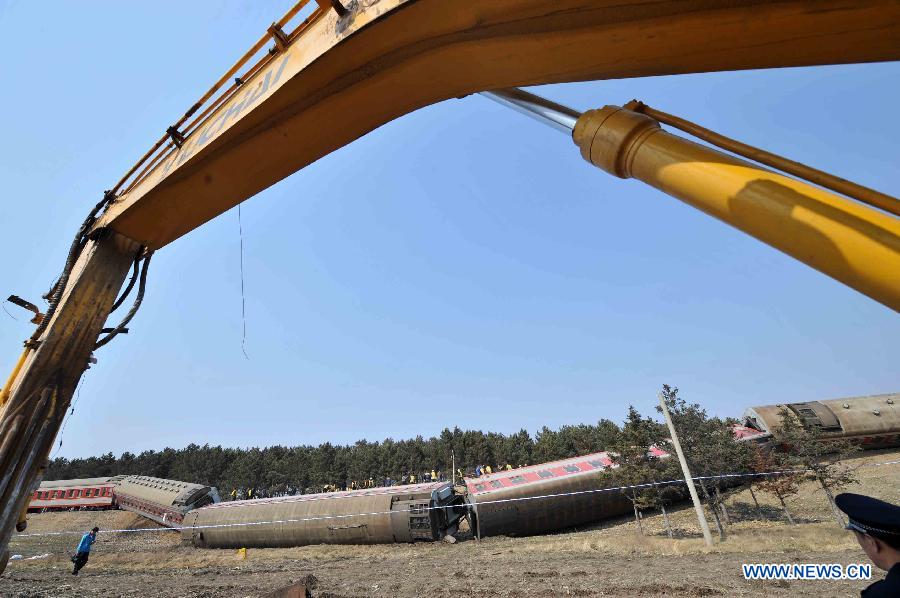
(472, 270)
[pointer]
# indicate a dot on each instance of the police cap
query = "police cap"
(871, 516)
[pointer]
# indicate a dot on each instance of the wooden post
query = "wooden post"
(43, 388)
(701, 517)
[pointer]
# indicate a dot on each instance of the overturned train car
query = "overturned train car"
(871, 421)
(163, 501)
(383, 515)
(547, 497)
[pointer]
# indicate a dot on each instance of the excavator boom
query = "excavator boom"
(346, 70)
(345, 76)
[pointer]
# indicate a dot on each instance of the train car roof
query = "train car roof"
(169, 493)
(408, 489)
(893, 397)
(846, 410)
(79, 482)
(543, 472)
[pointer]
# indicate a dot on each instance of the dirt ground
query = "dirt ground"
(611, 559)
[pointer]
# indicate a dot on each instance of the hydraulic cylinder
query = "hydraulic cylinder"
(840, 237)
(851, 242)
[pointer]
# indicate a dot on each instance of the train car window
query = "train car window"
(572, 468)
(517, 479)
(71, 493)
(597, 463)
(479, 488)
(545, 474)
(496, 484)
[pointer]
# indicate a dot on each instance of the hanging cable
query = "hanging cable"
(142, 284)
(3, 305)
(134, 277)
(69, 416)
(243, 300)
(54, 295)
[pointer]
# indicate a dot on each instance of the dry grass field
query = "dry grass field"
(610, 559)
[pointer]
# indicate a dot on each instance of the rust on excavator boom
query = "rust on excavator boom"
(346, 76)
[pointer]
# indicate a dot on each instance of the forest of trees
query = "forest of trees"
(278, 469)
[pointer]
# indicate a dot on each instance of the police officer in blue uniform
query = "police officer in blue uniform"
(876, 525)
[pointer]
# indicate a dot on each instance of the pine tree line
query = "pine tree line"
(279, 470)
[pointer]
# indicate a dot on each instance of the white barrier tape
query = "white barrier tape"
(421, 509)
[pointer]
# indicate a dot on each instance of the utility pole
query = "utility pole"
(701, 517)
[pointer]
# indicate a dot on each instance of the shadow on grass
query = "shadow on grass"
(744, 511)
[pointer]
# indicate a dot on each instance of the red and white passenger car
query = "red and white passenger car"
(85, 494)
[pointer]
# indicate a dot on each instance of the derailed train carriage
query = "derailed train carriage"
(871, 421)
(408, 513)
(163, 501)
(545, 497)
(81, 494)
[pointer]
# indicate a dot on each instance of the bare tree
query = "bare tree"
(812, 449)
(786, 483)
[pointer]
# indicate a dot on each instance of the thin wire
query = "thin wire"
(430, 508)
(243, 301)
(69, 415)
(3, 305)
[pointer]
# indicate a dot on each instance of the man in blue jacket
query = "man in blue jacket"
(84, 550)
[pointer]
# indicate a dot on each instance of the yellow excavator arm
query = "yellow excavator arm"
(306, 90)
(342, 77)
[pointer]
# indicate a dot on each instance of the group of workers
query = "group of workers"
(481, 470)
(411, 478)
